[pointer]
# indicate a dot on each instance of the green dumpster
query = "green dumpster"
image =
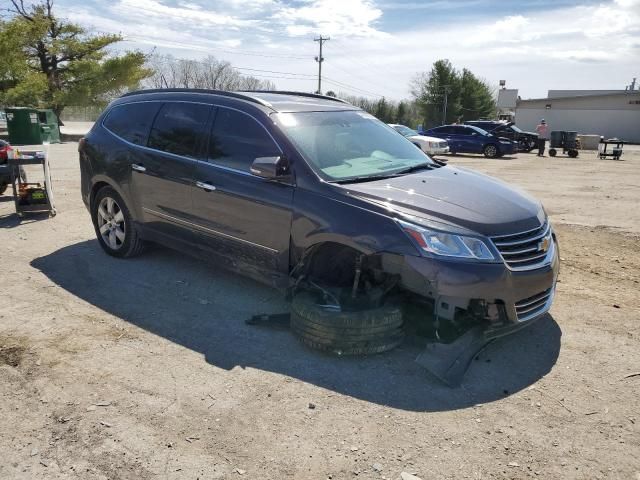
(31, 126)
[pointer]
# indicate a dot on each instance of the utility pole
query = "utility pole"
(444, 110)
(320, 59)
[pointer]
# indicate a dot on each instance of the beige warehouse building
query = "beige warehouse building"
(608, 113)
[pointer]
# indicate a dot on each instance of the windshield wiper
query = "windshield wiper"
(368, 178)
(415, 168)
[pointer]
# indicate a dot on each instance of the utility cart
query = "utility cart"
(614, 152)
(31, 197)
(567, 141)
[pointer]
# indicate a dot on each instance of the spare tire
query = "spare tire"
(359, 332)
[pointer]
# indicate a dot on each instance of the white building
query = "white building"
(608, 113)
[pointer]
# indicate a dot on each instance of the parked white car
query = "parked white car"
(429, 145)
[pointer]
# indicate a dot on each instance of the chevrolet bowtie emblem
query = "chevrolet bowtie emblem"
(543, 246)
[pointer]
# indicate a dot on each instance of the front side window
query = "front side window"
(179, 128)
(132, 121)
(349, 144)
(237, 139)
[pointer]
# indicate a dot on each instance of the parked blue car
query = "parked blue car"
(470, 139)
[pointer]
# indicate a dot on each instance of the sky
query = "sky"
(377, 47)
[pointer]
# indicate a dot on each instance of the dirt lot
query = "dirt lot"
(145, 368)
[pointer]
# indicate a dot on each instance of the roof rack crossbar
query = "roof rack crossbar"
(299, 94)
(198, 90)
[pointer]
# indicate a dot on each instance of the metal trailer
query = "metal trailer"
(567, 141)
(31, 197)
(616, 148)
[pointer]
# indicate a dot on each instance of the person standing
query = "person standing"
(543, 134)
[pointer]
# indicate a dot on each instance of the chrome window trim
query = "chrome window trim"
(206, 230)
(182, 157)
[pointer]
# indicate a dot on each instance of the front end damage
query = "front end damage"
(455, 309)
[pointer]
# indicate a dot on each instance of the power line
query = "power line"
(232, 52)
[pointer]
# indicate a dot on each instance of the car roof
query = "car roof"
(274, 101)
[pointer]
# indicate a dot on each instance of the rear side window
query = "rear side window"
(179, 128)
(132, 121)
(237, 140)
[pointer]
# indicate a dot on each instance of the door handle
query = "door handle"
(138, 168)
(205, 186)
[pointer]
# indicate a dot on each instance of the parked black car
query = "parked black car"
(527, 141)
(290, 187)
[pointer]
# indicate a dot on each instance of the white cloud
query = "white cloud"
(571, 47)
(330, 17)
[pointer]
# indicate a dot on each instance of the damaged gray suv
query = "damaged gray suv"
(315, 196)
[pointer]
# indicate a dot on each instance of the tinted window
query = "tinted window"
(237, 140)
(179, 128)
(132, 121)
(440, 130)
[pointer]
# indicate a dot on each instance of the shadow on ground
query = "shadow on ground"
(12, 220)
(203, 308)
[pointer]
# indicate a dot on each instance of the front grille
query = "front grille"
(526, 250)
(531, 307)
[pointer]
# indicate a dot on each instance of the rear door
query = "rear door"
(242, 217)
(163, 172)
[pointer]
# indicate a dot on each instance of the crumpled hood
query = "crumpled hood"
(455, 196)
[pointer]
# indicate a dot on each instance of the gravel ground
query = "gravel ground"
(144, 368)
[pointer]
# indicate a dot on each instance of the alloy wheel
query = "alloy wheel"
(111, 223)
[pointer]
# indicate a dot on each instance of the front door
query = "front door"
(163, 172)
(245, 220)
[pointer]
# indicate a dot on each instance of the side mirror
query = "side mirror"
(271, 168)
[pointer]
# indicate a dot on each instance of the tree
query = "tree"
(50, 62)
(210, 73)
(445, 95)
(476, 98)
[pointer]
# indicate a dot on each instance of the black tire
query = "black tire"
(552, 152)
(573, 153)
(361, 332)
(3, 187)
(491, 151)
(132, 244)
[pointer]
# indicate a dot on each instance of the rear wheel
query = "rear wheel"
(553, 152)
(490, 151)
(573, 153)
(114, 226)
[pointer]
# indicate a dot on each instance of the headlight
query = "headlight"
(447, 244)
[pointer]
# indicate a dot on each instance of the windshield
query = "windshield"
(406, 131)
(350, 144)
(479, 130)
(516, 129)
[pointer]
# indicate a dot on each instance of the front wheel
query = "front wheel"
(553, 152)
(573, 153)
(114, 226)
(490, 151)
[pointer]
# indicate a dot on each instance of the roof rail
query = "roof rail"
(198, 90)
(299, 94)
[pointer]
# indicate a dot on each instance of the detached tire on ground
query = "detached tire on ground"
(361, 332)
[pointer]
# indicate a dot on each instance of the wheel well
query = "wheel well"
(95, 189)
(331, 263)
